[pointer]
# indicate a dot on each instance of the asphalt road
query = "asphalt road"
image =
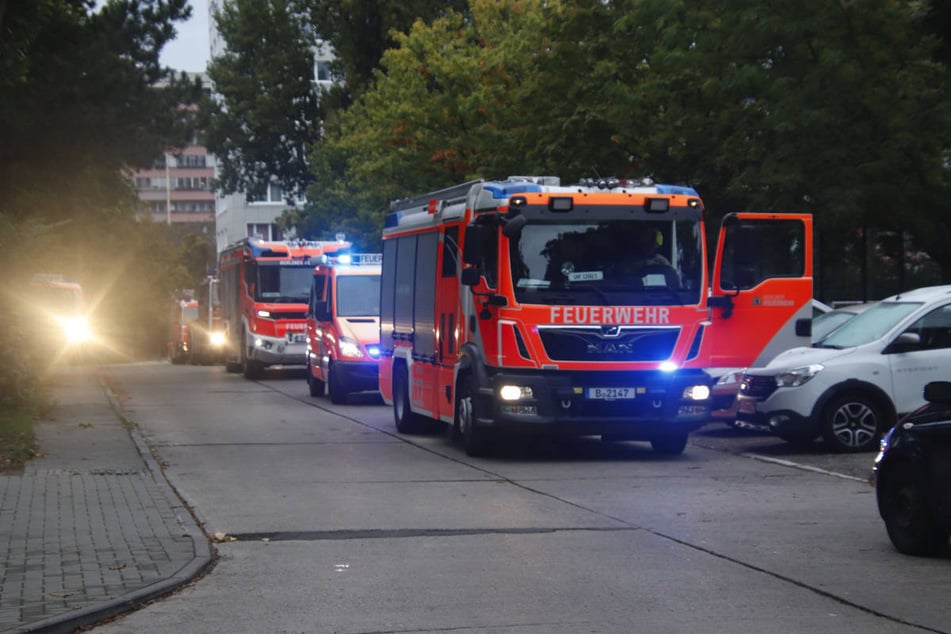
(327, 520)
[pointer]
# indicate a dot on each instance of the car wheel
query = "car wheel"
(314, 385)
(670, 444)
(903, 504)
(336, 387)
(852, 423)
(406, 421)
(476, 440)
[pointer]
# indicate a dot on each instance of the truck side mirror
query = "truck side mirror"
(470, 276)
(804, 327)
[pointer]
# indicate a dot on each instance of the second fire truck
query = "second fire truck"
(525, 306)
(264, 290)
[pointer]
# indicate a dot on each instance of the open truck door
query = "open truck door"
(761, 292)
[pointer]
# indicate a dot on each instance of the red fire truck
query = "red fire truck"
(525, 306)
(343, 326)
(183, 314)
(206, 333)
(54, 306)
(264, 291)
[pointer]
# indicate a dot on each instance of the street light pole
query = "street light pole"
(168, 193)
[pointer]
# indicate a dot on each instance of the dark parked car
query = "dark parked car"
(912, 476)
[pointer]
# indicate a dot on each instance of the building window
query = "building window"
(192, 160)
(322, 71)
(265, 231)
(273, 194)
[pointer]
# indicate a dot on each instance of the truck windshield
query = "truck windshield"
(358, 296)
(618, 262)
(284, 283)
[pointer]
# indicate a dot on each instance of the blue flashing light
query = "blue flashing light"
(392, 219)
(373, 349)
(504, 190)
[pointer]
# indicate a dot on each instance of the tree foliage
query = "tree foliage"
(85, 100)
(266, 112)
(836, 108)
(360, 31)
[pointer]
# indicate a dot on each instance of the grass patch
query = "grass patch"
(16, 438)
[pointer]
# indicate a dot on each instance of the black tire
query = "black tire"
(249, 367)
(669, 444)
(852, 423)
(903, 504)
(314, 386)
(406, 421)
(336, 386)
(477, 441)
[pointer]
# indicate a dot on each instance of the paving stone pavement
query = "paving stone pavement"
(91, 528)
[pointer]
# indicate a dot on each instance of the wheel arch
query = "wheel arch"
(881, 398)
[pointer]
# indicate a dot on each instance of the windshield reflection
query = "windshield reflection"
(869, 326)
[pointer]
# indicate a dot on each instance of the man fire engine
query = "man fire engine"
(264, 291)
(343, 326)
(54, 306)
(524, 306)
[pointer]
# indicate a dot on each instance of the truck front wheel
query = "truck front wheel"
(406, 421)
(476, 440)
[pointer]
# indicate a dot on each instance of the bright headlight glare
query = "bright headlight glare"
(797, 376)
(696, 392)
(216, 338)
(515, 392)
(76, 329)
(349, 348)
(667, 366)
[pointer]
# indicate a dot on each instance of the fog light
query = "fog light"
(515, 392)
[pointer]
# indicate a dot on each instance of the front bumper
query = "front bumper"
(561, 402)
(277, 351)
(359, 376)
(765, 416)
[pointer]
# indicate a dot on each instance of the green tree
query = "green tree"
(84, 100)
(449, 103)
(266, 112)
(360, 31)
(835, 108)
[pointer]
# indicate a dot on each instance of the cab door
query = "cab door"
(761, 292)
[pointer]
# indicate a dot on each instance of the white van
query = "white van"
(853, 385)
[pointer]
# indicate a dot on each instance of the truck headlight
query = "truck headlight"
(217, 339)
(798, 376)
(696, 393)
(515, 392)
(349, 348)
(76, 329)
